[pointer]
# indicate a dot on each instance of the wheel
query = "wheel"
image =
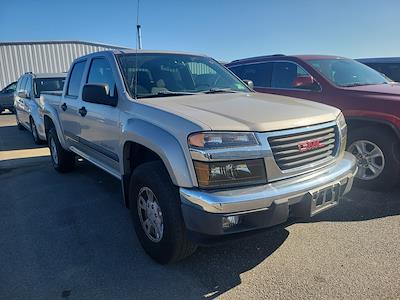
(378, 157)
(155, 208)
(35, 134)
(63, 160)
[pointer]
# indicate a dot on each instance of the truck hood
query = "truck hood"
(246, 111)
(392, 91)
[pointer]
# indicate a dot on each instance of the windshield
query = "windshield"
(160, 75)
(48, 85)
(347, 72)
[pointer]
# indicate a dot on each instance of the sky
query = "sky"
(223, 29)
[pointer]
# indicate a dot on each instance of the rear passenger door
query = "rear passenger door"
(70, 104)
(100, 126)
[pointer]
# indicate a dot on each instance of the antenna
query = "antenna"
(138, 29)
(138, 46)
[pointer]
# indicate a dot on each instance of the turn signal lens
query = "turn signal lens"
(230, 174)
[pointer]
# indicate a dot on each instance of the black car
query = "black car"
(389, 66)
(7, 97)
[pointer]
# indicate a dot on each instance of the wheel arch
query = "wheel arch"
(359, 122)
(145, 142)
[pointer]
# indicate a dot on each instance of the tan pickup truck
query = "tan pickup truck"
(200, 155)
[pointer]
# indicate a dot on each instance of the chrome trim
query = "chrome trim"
(225, 154)
(263, 150)
(261, 197)
(274, 173)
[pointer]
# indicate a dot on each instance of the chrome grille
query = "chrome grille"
(289, 155)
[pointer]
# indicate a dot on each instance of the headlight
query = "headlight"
(217, 140)
(230, 174)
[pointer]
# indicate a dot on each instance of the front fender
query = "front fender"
(165, 145)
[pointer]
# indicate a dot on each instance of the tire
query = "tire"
(34, 132)
(172, 244)
(63, 160)
(387, 167)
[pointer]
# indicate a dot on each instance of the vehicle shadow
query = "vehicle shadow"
(11, 138)
(73, 236)
(361, 205)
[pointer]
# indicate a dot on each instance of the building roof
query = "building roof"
(11, 43)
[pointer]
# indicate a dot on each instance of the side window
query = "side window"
(21, 84)
(28, 86)
(288, 75)
(238, 70)
(100, 72)
(11, 88)
(75, 79)
(259, 73)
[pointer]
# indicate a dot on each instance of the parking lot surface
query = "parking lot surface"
(69, 236)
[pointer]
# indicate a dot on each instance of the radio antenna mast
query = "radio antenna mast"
(138, 29)
(138, 46)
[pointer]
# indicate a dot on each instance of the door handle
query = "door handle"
(83, 111)
(64, 106)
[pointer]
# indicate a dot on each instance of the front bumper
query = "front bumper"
(262, 206)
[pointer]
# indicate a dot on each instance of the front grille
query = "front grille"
(299, 150)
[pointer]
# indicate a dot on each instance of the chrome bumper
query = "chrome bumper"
(262, 197)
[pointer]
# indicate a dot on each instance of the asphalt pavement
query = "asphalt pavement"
(68, 236)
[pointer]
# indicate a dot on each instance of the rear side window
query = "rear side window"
(75, 79)
(100, 72)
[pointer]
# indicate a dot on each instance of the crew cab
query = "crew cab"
(200, 155)
(369, 101)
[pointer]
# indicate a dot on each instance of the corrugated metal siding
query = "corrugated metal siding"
(41, 57)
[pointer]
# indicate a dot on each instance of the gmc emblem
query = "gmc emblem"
(310, 145)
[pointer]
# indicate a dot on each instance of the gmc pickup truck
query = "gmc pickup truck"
(199, 154)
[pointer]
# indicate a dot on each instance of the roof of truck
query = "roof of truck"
(134, 51)
(282, 56)
(47, 75)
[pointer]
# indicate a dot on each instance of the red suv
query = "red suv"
(370, 103)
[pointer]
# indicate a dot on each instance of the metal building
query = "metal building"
(17, 58)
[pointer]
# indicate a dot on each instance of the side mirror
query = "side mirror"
(249, 83)
(305, 82)
(22, 94)
(98, 93)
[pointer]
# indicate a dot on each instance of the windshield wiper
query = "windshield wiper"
(358, 84)
(216, 91)
(165, 94)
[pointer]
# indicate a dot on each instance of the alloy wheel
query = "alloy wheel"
(53, 150)
(370, 159)
(150, 214)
